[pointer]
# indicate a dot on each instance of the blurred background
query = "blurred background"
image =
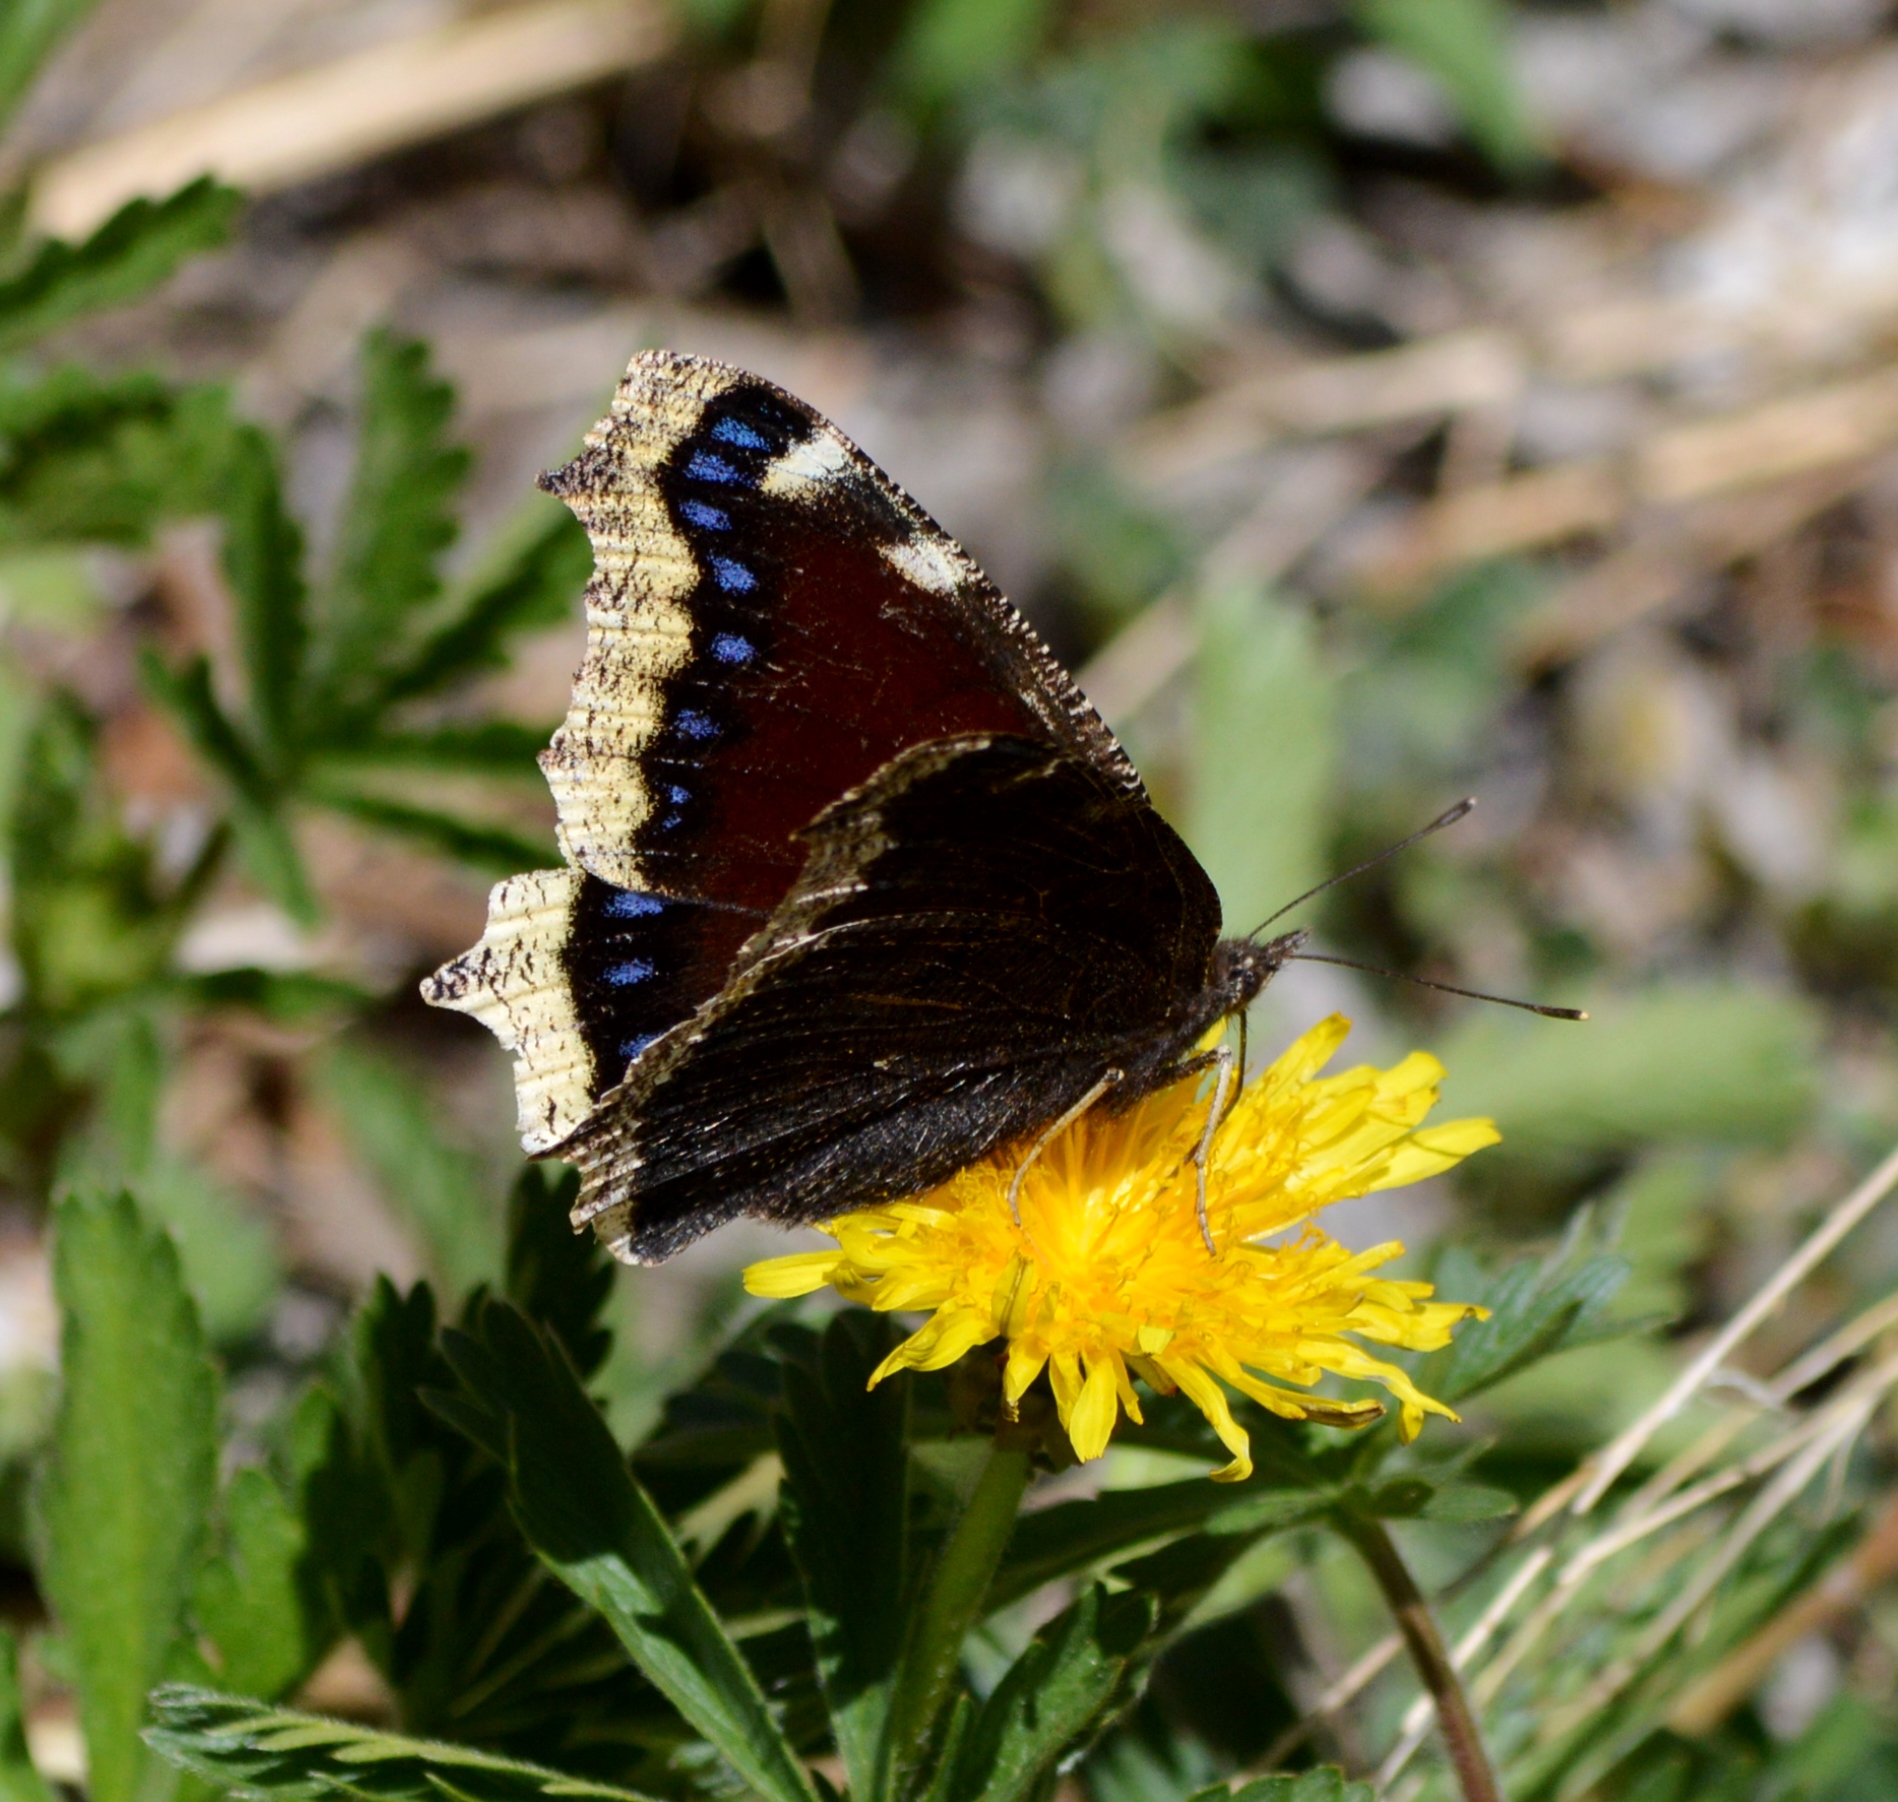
(1376, 403)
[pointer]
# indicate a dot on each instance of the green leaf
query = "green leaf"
(292, 996)
(491, 747)
(100, 460)
(1051, 1696)
(845, 1511)
(87, 925)
(492, 848)
(574, 1498)
(1468, 1502)
(226, 1250)
(19, 1781)
(440, 1189)
(1060, 1541)
(1464, 44)
(28, 31)
(136, 249)
(252, 1600)
(188, 693)
(1537, 1307)
(398, 519)
(477, 1638)
(555, 1275)
(239, 1746)
(263, 832)
(1264, 725)
(531, 582)
(1326, 1784)
(263, 560)
(131, 1472)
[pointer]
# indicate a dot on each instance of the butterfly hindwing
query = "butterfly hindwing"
(977, 934)
(770, 621)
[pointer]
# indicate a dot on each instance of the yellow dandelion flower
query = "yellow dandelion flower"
(1107, 1276)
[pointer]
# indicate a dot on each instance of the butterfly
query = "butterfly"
(858, 887)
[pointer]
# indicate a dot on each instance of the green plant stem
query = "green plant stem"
(1418, 1625)
(951, 1606)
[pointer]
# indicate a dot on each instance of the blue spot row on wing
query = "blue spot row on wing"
(695, 724)
(732, 647)
(630, 904)
(634, 969)
(631, 1048)
(713, 519)
(706, 467)
(735, 431)
(734, 578)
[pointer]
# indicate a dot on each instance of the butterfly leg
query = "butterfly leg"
(1107, 1081)
(1222, 1087)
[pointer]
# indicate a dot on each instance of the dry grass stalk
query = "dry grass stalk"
(322, 120)
(1843, 1589)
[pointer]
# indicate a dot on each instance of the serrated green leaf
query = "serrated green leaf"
(287, 995)
(491, 848)
(259, 825)
(533, 582)
(188, 693)
(1464, 44)
(1537, 1307)
(237, 1745)
(135, 250)
(19, 1780)
(1060, 1541)
(475, 1636)
(86, 924)
(491, 748)
(398, 519)
(253, 1599)
(131, 1472)
(86, 459)
(227, 1252)
(845, 1511)
(574, 1498)
(263, 561)
(439, 1189)
(1051, 1695)
(555, 1275)
(28, 31)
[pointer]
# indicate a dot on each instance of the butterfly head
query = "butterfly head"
(1242, 967)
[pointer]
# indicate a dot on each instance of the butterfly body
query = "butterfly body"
(859, 886)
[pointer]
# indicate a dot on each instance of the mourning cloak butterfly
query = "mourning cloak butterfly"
(858, 886)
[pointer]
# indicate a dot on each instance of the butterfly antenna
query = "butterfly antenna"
(1447, 988)
(1447, 818)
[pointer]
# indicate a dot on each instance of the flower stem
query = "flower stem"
(950, 1607)
(1419, 1627)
